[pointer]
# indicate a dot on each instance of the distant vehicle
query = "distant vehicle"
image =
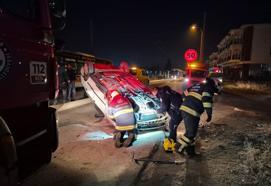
(216, 73)
(99, 79)
(140, 74)
(28, 127)
(177, 74)
(195, 73)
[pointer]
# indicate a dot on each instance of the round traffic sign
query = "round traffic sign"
(190, 55)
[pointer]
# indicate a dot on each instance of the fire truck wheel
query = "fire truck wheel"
(48, 157)
(8, 157)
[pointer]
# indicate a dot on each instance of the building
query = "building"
(213, 59)
(245, 53)
(77, 60)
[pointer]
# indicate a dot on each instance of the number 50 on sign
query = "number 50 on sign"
(190, 55)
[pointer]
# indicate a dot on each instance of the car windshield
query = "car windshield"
(198, 73)
(215, 74)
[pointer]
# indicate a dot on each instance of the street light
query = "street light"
(195, 27)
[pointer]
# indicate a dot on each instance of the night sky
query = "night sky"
(149, 32)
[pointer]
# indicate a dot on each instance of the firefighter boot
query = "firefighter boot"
(182, 144)
(185, 151)
(128, 142)
(191, 153)
(190, 150)
(118, 139)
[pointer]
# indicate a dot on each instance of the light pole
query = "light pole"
(195, 27)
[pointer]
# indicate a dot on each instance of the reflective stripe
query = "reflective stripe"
(206, 94)
(207, 105)
(184, 141)
(31, 138)
(190, 111)
(114, 94)
(183, 145)
(181, 141)
(128, 127)
(118, 113)
(196, 95)
(187, 140)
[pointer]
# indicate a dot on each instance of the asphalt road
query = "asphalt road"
(87, 156)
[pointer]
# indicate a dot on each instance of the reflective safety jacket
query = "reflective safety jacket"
(198, 98)
(122, 113)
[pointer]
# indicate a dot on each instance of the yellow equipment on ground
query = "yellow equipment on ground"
(169, 145)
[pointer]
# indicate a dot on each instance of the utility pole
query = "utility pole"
(202, 38)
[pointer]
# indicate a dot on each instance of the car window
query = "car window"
(198, 73)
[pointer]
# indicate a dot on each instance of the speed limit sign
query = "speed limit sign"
(190, 55)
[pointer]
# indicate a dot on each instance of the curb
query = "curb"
(72, 104)
(161, 80)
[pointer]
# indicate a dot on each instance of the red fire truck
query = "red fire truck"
(195, 72)
(28, 129)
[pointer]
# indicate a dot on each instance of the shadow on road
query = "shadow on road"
(55, 174)
(197, 172)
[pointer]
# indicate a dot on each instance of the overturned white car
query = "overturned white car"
(119, 95)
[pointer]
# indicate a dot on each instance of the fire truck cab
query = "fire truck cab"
(195, 73)
(28, 79)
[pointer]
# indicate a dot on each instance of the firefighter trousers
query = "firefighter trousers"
(176, 118)
(191, 124)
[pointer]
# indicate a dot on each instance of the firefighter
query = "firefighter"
(198, 98)
(122, 113)
(170, 103)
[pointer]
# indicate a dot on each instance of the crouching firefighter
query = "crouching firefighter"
(170, 103)
(199, 97)
(122, 113)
